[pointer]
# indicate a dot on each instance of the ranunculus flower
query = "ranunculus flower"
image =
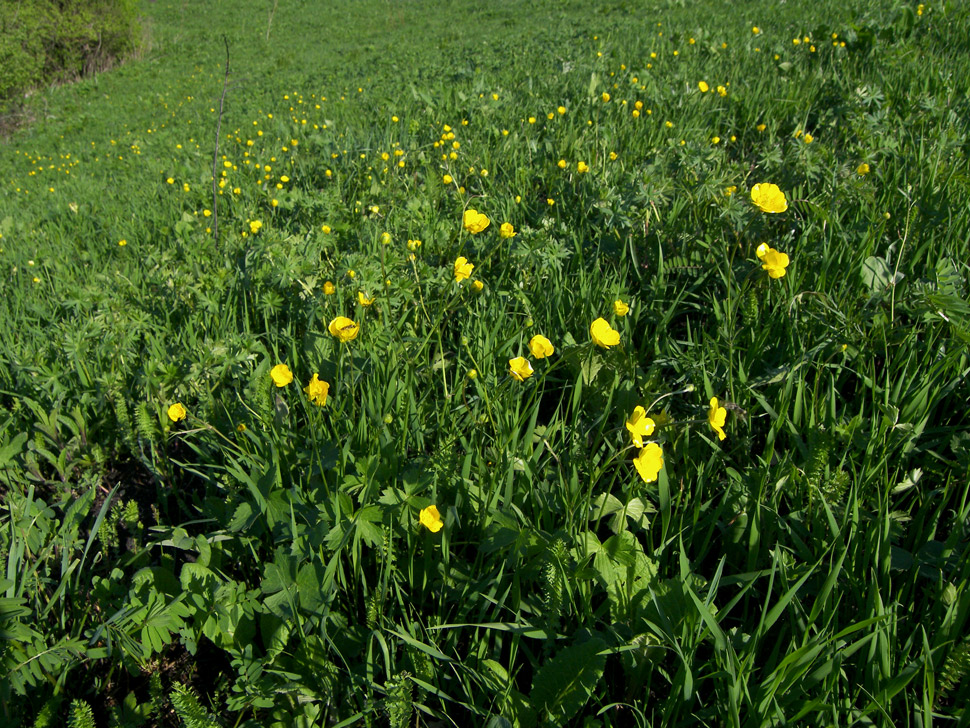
(649, 462)
(520, 368)
(463, 269)
(862, 169)
(344, 329)
(620, 308)
(317, 391)
(363, 300)
(603, 334)
(716, 416)
(475, 221)
(281, 375)
(541, 347)
(507, 231)
(582, 167)
(328, 288)
(639, 426)
(703, 87)
(431, 519)
(176, 412)
(772, 261)
(769, 198)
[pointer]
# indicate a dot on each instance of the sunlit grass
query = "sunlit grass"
(593, 365)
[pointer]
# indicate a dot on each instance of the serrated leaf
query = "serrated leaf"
(563, 686)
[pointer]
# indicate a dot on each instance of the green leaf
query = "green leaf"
(563, 685)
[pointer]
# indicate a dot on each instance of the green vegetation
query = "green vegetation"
(49, 41)
(319, 470)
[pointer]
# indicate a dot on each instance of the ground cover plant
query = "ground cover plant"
(600, 365)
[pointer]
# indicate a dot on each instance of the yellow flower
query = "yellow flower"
(639, 426)
(649, 462)
(176, 412)
(603, 334)
(862, 169)
(254, 226)
(463, 269)
(447, 179)
(477, 286)
(703, 87)
(475, 221)
(281, 375)
(582, 167)
(728, 191)
(716, 417)
(562, 164)
(507, 231)
(123, 243)
(413, 245)
(808, 138)
(385, 238)
(769, 198)
(431, 519)
(329, 289)
(620, 308)
(344, 329)
(721, 91)
(761, 127)
(756, 30)
(561, 110)
(541, 347)
(715, 140)
(605, 97)
(317, 391)
(772, 261)
(364, 300)
(520, 368)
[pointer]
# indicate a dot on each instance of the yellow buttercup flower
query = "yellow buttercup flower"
(317, 391)
(703, 87)
(582, 167)
(620, 308)
(447, 179)
(344, 329)
(603, 334)
(385, 238)
(475, 221)
(769, 198)
(862, 169)
(281, 375)
(255, 226)
(477, 286)
(463, 269)
(605, 97)
(507, 231)
(649, 462)
(520, 368)
(541, 347)
(772, 260)
(328, 288)
(639, 426)
(363, 300)
(176, 412)
(716, 416)
(431, 519)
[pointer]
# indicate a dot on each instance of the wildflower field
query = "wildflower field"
(488, 364)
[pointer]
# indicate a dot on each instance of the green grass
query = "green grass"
(262, 562)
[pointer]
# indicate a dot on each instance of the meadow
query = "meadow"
(591, 364)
